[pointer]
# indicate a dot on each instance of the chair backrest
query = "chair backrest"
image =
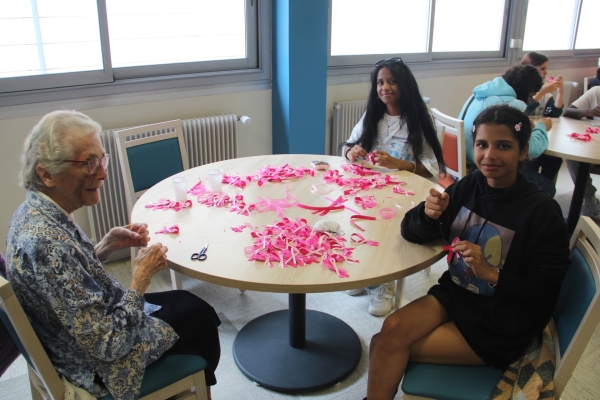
(586, 82)
(567, 88)
(453, 144)
(577, 312)
(24, 336)
(148, 154)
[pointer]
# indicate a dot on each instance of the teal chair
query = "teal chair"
(575, 319)
(147, 155)
(170, 376)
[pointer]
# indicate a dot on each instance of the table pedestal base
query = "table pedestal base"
(263, 353)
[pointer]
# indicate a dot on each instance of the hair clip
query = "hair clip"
(518, 127)
(473, 129)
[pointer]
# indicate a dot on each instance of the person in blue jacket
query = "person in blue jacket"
(515, 88)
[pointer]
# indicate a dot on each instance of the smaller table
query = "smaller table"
(586, 153)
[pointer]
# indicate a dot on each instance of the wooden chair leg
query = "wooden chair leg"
(200, 383)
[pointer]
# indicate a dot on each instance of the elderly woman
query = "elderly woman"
(98, 334)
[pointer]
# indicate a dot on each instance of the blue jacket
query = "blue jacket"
(476, 104)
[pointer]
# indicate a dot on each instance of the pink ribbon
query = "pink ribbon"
(387, 213)
(197, 189)
(354, 224)
(293, 243)
(371, 158)
(584, 137)
(359, 239)
(450, 249)
(165, 204)
(365, 202)
(236, 180)
(171, 229)
(241, 227)
(397, 189)
(591, 129)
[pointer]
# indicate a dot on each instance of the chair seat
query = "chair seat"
(450, 382)
(166, 371)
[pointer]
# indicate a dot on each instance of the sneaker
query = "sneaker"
(356, 292)
(591, 210)
(381, 299)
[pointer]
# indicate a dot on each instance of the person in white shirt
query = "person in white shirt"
(399, 130)
(587, 106)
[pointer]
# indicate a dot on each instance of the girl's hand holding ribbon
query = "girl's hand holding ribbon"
(436, 203)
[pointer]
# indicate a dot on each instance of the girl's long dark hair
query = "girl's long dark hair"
(413, 112)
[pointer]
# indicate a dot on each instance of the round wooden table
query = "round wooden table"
(291, 350)
(586, 153)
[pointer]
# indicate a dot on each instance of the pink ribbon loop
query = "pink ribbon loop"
(197, 189)
(174, 229)
(591, 129)
(359, 239)
(354, 224)
(387, 213)
(450, 249)
(365, 202)
(584, 137)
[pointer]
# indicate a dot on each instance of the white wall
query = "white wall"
(254, 139)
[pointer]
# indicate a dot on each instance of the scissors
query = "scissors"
(201, 255)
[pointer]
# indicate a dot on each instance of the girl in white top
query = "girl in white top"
(397, 126)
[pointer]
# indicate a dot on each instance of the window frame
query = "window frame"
(255, 69)
(429, 55)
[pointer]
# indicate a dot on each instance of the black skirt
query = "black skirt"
(499, 332)
(196, 323)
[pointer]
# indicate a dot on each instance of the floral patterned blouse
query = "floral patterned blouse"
(87, 321)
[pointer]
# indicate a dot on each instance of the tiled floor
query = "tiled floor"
(236, 309)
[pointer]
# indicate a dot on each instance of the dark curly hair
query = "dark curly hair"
(413, 112)
(525, 81)
(506, 115)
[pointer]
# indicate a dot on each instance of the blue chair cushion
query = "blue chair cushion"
(152, 162)
(450, 382)
(166, 371)
(576, 293)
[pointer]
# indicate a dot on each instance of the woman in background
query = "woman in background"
(399, 130)
(543, 104)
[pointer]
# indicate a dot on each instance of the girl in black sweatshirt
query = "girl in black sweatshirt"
(510, 255)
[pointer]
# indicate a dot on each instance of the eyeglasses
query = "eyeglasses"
(497, 101)
(94, 164)
(389, 61)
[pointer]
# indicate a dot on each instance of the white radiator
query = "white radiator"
(346, 115)
(207, 140)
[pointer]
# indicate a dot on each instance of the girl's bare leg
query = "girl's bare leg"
(412, 333)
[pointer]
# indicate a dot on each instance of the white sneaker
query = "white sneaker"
(355, 292)
(381, 299)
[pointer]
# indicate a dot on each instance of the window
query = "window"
(577, 30)
(60, 43)
(419, 30)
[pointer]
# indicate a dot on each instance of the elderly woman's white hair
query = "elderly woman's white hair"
(48, 145)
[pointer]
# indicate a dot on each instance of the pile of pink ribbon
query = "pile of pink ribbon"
(295, 243)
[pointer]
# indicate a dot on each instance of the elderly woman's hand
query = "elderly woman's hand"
(133, 235)
(149, 261)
